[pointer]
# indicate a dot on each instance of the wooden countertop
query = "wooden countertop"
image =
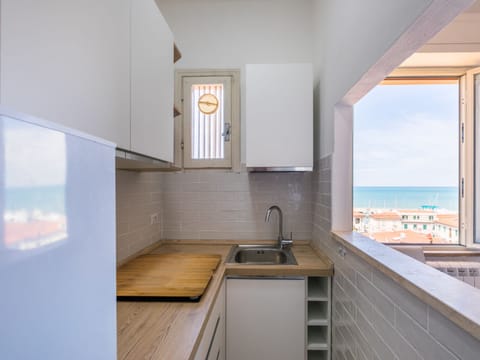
(172, 330)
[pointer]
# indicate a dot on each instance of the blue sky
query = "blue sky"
(407, 135)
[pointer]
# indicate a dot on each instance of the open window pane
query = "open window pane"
(406, 164)
(477, 155)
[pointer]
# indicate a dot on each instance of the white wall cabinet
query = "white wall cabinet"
(152, 75)
(279, 116)
(212, 345)
(265, 318)
(68, 62)
(102, 67)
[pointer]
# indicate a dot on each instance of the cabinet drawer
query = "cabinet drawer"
(216, 348)
(213, 337)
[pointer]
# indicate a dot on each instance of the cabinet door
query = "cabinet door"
(212, 345)
(152, 81)
(68, 62)
(265, 319)
(279, 115)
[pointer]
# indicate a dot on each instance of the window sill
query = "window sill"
(454, 299)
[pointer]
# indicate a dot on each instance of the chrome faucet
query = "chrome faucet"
(282, 242)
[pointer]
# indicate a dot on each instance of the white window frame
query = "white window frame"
(235, 105)
(467, 229)
(466, 147)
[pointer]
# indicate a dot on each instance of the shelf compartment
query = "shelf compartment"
(317, 338)
(317, 289)
(317, 355)
(317, 313)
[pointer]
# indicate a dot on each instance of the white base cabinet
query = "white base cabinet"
(265, 318)
(212, 345)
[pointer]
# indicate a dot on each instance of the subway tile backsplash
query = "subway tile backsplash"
(139, 196)
(215, 205)
(211, 205)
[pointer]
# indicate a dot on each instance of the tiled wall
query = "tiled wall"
(209, 205)
(138, 197)
(220, 205)
(373, 317)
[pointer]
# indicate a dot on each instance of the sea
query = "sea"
(405, 197)
(42, 198)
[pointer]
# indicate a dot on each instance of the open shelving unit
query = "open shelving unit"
(318, 318)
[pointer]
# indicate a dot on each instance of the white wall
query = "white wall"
(229, 34)
(219, 33)
(360, 44)
(350, 37)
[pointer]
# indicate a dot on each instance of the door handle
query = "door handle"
(227, 131)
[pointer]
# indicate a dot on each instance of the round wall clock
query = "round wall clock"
(208, 104)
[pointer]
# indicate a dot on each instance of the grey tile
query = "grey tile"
(363, 304)
(401, 297)
(379, 301)
(418, 337)
(363, 349)
(402, 349)
(451, 336)
(376, 342)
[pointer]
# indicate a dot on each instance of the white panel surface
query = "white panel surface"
(265, 319)
(239, 33)
(68, 61)
(57, 244)
(279, 115)
(152, 81)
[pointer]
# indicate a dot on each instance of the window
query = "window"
(207, 131)
(406, 159)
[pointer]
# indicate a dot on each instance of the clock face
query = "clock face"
(208, 104)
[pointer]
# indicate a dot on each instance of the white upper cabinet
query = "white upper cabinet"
(68, 61)
(152, 82)
(102, 67)
(279, 116)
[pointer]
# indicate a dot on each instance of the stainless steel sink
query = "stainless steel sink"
(260, 255)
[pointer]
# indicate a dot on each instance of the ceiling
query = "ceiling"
(457, 45)
(475, 8)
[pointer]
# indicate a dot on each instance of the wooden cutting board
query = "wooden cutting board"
(166, 275)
